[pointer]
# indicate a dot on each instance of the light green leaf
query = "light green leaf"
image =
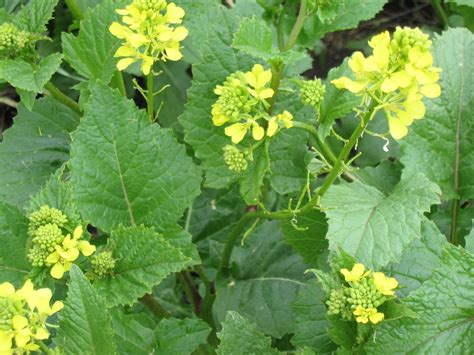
(180, 336)
(29, 77)
(265, 277)
(337, 103)
(144, 259)
(470, 240)
(376, 228)
(310, 323)
(462, 2)
(35, 15)
(384, 177)
(142, 174)
(91, 53)
(444, 304)
(14, 266)
(307, 236)
(34, 148)
(27, 98)
(419, 259)
(239, 336)
(132, 334)
(441, 146)
(219, 61)
(85, 325)
(254, 37)
(252, 179)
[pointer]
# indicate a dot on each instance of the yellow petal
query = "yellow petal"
(236, 131)
(376, 317)
(264, 78)
(389, 85)
(266, 93)
(346, 83)
(6, 289)
(40, 300)
(404, 117)
(431, 90)
(25, 291)
(118, 30)
(69, 255)
(5, 342)
(22, 337)
(57, 306)
(165, 35)
(19, 322)
(147, 64)
(174, 13)
(125, 51)
(57, 271)
(402, 78)
(86, 248)
(251, 79)
(173, 54)
(397, 129)
(272, 127)
(124, 63)
(415, 108)
(53, 258)
(42, 334)
(257, 132)
(356, 63)
(180, 33)
(78, 232)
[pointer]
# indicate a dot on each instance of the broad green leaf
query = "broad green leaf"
(29, 77)
(35, 15)
(14, 266)
(444, 304)
(142, 174)
(420, 258)
(144, 259)
(337, 103)
(265, 278)
(307, 235)
(180, 336)
(384, 177)
(310, 323)
(252, 179)
(27, 98)
(34, 148)
(219, 61)
(462, 2)
(85, 326)
(240, 336)
(470, 240)
(441, 146)
(91, 53)
(373, 227)
(131, 333)
(254, 37)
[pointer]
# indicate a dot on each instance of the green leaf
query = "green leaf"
(419, 259)
(462, 2)
(254, 37)
(35, 15)
(239, 336)
(441, 146)
(470, 239)
(27, 98)
(14, 266)
(91, 53)
(252, 179)
(376, 228)
(337, 103)
(310, 323)
(142, 174)
(29, 77)
(85, 325)
(34, 148)
(393, 310)
(444, 304)
(219, 60)
(131, 333)
(307, 235)
(144, 259)
(265, 277)
(180, 336)
(384, 177)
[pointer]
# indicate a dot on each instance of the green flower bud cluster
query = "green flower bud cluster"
(45, 230)
(364, 293)
(312, 92)
(6, 313)
(315, 4)
(337, 304)
(406, 38)
(150, 5)
(103, 264)
(13, 41)
(235, 159)
(234, 98)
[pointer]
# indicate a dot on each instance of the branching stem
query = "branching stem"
(61, 97)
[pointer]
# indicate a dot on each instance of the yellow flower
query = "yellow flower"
(363, 315)
(386, 285)
(258, 78)
(286, 118)
(237, 131)
(357, 272)
(69, 250)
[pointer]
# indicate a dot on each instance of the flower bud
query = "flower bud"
(235, 159)
(312, 92)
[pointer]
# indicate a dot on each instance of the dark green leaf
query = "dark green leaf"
(180, 336)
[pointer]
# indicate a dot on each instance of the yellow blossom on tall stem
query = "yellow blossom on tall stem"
(357, 272)
(364, 315)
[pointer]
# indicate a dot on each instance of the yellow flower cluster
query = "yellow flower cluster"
(398, 74)
(23, 315)
(149, 33)
(361, 291)
(49, 246)
(243, 102)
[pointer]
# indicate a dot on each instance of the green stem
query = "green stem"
(298, 26)
(117, 82)
(44, 347)
(454, 221)
(149, 97)
(191, 292)
(61, 97)
(154, 306)
(438, 7)
(75, 9)
(277, 70)
(328, 153)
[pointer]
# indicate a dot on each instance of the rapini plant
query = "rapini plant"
(171, 170)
